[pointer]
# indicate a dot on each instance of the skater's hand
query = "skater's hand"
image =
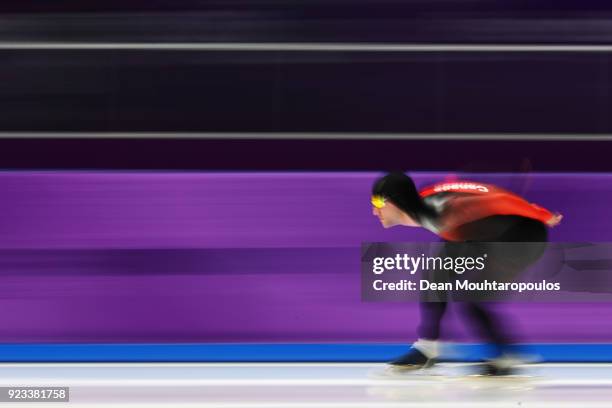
(555, 220)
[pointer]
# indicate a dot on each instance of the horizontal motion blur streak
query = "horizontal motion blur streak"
(301, 47)
(303, 136)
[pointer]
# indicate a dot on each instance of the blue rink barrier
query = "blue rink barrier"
(278, 352)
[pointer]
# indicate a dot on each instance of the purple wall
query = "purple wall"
(237, 257)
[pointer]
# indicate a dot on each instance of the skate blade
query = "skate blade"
(404, 372)
(508, 377)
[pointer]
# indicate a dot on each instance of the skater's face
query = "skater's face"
(389, 214)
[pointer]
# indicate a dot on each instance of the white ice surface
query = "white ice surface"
(312, 385)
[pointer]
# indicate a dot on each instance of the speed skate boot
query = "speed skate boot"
(502, 366)
(422, 354)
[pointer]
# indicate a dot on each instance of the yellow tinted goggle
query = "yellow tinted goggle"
(378, 201)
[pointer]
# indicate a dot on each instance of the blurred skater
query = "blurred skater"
(473, 214)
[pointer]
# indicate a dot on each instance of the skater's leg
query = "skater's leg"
(431, 318)
(504, 264)
(424, 351)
